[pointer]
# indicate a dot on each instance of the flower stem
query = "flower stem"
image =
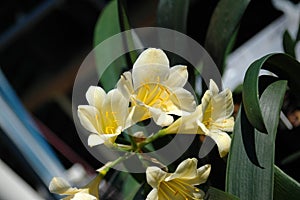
(152, 138)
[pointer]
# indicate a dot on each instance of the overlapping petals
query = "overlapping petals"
(179, 185)
(212, 118)
(60, 186)
(155, 89)
(105, 116)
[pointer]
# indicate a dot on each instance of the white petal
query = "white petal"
(222, 105)
(203, 173)
(152, 66)
(222, 140)
(94, 140)
(186, 124)
(178, 76)
(160, 118)
(59, 185)
(151, 56)
(117, 106)
(125, 86)
(87, 116)
(224, 124)
(184, 101)
(213, 87)
(154, 176)
(187, 169)
(153, 195)
(95, 96)
(83, 196)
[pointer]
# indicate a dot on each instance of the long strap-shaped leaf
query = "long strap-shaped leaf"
(284, 66)
(108, 25)
(243, 178)
(173, 14)
(285, 187)
(222, 29)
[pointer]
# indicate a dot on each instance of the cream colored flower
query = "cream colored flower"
(155, 89)
(105, 116)
(179, 185)
(212, 117)
(60, 186)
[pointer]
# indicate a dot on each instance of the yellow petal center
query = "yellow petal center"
(178, 188)
(154, 95)
(109, 122)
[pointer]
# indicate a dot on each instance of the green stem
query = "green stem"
(152, 138)
(103, 170)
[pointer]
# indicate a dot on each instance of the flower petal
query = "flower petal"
(222, 105)
(95, 96)
(88, 118)
(94, 140)
(224, 124)
(187, 169)
(116, 106)
(59, 185)
(83, 196)
(154, 176)
(203, 173)
(153, 195)
(152, 66)
(151, 56)
(223, 141)
(160, 118)
(186, 124)
(178, 76)
(183, 100)
(125, 86)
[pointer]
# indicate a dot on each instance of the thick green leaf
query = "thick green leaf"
(216, 194)
(172, 14)
(285, 187)
(125, 25)
(284, 66)
(244, 179)
(107, 26)
(222, 29)
(289, 44)
(130, 187)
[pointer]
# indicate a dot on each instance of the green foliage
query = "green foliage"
(173, 14)
(223, 28)
(244, 179)
(107, 26)
(216, 194)
(285, 187)
(282, 65)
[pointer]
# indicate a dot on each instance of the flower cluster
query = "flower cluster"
(155, 90)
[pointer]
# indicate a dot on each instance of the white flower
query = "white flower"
(179, 185)
(105, 116)
(60, 186)
(212, 117)
(155, 89)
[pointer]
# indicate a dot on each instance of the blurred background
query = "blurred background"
(42, 44)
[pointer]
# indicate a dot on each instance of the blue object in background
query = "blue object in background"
(20, 128)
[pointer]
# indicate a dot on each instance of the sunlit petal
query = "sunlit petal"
(95, 96)
(153, 195)
(185, 170)
(151, 66)
(223, 141)
(184, 101)
(125, 86)
(154, 176)
(88, 118)
(178, 76)
(95, 139)
(160, 118)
